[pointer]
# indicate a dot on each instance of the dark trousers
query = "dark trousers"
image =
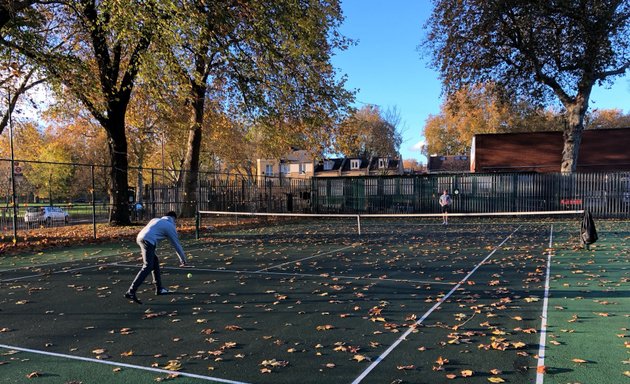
(150, 264)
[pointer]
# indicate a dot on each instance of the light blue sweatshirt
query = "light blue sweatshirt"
(160, 229)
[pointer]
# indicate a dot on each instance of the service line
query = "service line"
(427, 313)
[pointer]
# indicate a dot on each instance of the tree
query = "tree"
(268, 60)
(102, 50)
(370, 132)
(542, 49)
(608, 118)
(482, 109)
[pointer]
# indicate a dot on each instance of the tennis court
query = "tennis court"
(406, 301)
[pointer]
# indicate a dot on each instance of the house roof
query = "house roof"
(448, 164)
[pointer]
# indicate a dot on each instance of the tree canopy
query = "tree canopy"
(370, 132)
(542, 49)
(482, 109)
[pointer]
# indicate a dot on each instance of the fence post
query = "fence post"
(153, 192)
(93, 203)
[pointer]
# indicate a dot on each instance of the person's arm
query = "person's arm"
(174, 239)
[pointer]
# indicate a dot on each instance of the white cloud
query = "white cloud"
(418, 146)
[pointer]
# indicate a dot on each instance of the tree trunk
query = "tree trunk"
(119, 193)
(193, 149)
(572, 133)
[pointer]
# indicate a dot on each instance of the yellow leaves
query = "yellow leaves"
(379, 319)
(269, 365)
(441, 361)
(466, 373)
(173, 365)
(496, 380)
(326, 327)
(33, 375)
(579, 361)
(233, 328)
(531, 299)
(126, 354)
(360, 358)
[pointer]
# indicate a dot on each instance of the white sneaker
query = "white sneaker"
(162, 291)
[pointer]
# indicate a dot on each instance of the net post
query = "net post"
(197, 223)
(359, 224)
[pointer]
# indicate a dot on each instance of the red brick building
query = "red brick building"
(601, 150)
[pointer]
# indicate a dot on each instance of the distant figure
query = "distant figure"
(445, 203)
(139, 211)
(148, 238)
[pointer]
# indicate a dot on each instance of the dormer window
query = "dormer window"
(382, 163)
(328, 165)
(355, 164)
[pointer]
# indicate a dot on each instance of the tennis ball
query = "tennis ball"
(189, 275)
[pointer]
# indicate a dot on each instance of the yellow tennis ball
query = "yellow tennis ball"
(189, 275)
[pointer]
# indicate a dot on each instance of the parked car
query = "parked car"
(45, 215)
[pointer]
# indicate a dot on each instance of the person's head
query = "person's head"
(445, 192)
(172, 214)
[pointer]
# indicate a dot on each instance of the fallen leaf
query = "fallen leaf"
(359, 358)
(496, 380)
(466, 373)
(579, 361)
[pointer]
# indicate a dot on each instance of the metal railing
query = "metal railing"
(81, 190)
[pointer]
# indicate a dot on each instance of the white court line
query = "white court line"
(427, 313)
(289, 274)
(543, 323)
(94, 256)
(305, 258)
(53, 273)
(158, 370)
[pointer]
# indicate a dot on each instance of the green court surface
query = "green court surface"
(415, 303)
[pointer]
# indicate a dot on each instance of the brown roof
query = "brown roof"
(448, 164)
(600, 150)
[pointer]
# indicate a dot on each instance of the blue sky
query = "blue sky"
(387, 69)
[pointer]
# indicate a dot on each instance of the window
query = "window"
(389, 186)
(284, 168)
(336, 187)
(328, 165)
(302, 168)
(355, 164)
(406, 186)
(382, 163)
(269, 170)
(371, 187)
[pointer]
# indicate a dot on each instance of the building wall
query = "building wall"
(600, 150)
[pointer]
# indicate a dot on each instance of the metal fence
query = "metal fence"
(606, 195)
(81, 191)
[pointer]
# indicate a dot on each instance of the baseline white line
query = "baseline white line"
(427, 313)
(305, 258)
(96, 255)
(125, 365)
(543, 324)
(53, 273)
(265, 273)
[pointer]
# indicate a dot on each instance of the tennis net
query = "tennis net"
(370, 224)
